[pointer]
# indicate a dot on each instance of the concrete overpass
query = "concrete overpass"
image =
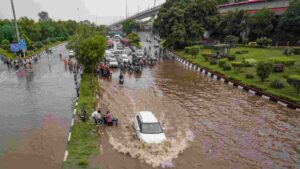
(251, 6)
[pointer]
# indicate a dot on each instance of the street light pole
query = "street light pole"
(126, 9)
(78, 15)
(15, 19)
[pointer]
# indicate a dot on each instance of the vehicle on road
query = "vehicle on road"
(113, 63)
(71, 53)
(156, 45)
(139, 53)
(148, 128)
(124, 58)
(148, 40)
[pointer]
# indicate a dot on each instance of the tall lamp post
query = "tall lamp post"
(126, 9)
(16, 24)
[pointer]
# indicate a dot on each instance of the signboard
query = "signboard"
(22, 45)
(14, 47)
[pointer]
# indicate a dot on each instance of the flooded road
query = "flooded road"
(207, 123)
(35, 114)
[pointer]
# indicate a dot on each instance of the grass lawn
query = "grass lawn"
(259, 54)
(83, 144)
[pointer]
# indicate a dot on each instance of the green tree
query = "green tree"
(263, 70)
(294, 80)
(262, 24)
(128, 26)
(234, 23)
(289, 23)
(90, 52)
(134, 40)
(231, 40)
(5, 44)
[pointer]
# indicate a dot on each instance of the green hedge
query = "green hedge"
(284, 60)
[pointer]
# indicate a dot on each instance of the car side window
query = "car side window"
(139, 121)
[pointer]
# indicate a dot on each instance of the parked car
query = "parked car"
(139, 53)
(71, 53)
(148, 40)
(148, 128)
(156, 45)
(113, 63)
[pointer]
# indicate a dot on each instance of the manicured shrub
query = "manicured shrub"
(213, 62)
(249, 62)
(296, 51)
(5, 44)
(277, 84)
(238, 52)
(221, 63)
(231, 40)
(288, 51)
(249, 76)
(192, 50)
(252, 44)
(264, 42)
(207, 56)
(294, 80)
(263, 70)
(237, 66)
(284, 60)
(244, 51)
(226, 67)
(278, 67)
(231, 57)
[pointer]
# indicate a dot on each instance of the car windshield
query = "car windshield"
(151, 128)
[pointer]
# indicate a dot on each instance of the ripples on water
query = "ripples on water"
(230, 125)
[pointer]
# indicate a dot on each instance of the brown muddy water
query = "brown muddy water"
(207, 123)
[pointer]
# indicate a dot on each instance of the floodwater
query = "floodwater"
(208, 124)
(35, 113)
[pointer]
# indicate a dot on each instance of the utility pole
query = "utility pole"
(126, 9)
(154, 3)
(78, 14)
(16, 24)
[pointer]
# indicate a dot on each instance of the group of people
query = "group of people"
(104, 70)
(102, 119)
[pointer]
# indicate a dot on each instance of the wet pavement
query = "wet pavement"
(35, 113)
(208, 124)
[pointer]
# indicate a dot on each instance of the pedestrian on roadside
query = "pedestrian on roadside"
(108, 118)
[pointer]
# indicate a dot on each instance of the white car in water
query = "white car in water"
(113, 62)
(148, 128)
(125, 58)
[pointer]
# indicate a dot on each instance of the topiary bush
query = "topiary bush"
(278, 67)
(263, 70)
(252, 44)
(237, 66)
(231, 57)
(226, 67)
(238, 52)
(38, 45)
(249, 62)
(213, 62)
(221, 63)
(294, 80)
(284, 60)
(244, 51)
(207, 56)
(264, 42)
(296, 51)
(277, 84)
(249, 76)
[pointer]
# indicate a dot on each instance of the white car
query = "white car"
(71, 53)
(125, 58)
(113, 62)
(139, 53)
(156, 45)
(148, 128)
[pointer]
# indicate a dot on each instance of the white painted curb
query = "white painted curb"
(283, 104)
(265, 97)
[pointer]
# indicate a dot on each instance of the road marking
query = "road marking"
(297, 109)
(76, 103)
(223, 80)
(72, 123)
(230, 83)
(241, 87)
(215, 77)
(283, 104)
(74, 112)
(69, 137)
(265, 97)
(66, 155)
(252, 92)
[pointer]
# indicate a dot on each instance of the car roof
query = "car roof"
(147, 117)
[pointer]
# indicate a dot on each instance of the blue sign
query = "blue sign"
(22, 44)
(14, 47)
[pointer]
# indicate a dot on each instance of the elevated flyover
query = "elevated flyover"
(252, 6)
